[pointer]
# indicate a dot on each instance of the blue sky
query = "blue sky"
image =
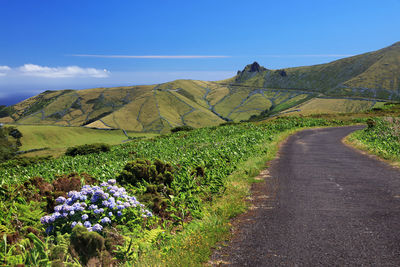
(82, 44)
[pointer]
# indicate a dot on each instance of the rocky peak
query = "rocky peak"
(249, 71)
(255, 67)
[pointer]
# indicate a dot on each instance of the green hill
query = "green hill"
(374, 75)
(356, 83)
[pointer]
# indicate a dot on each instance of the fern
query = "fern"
(150, 237)
(5, 230)
(30, 213)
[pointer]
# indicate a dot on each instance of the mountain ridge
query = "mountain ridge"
(254, 90)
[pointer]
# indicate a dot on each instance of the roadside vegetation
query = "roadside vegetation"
(381, 136)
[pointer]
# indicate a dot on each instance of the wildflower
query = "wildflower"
(60, 200)
(85, 217)
(45, 219)
(97, 227)
(58, 208)
(87, 224)
(105, 220)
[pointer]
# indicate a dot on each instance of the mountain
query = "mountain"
(374, 74)
(354, 81)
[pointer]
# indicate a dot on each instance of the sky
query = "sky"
(75, 44)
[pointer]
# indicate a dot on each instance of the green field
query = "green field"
(57, 138)
(332, 105)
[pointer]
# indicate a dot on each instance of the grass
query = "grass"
(57, 138)
(328, 105)
(381, 138)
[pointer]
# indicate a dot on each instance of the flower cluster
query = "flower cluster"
(94, 207)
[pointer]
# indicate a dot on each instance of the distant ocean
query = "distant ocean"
(13, 99)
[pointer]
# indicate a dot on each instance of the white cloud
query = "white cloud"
(61, 72)
(4, 70)
(153, 56)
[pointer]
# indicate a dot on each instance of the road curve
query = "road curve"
(324, 204)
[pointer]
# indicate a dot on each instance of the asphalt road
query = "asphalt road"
(324, 204)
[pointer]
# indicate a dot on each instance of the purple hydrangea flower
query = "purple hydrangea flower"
(104, 199)
(60, 200)
(58, 208)
(105, 220)
(45, 219)
(97, 211)
(97, 227)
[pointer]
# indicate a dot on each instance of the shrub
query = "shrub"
(371, 123)
(185, 128)
(24, 161)
(87, 149)
(142, 170)
(157, 177)
(86, 244)
(14, 132)
(228, 123)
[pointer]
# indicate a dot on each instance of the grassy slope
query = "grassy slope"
(373, 74)
(331, 105)
(57, 138)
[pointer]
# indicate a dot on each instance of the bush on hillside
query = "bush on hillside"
(156, 176)
(9, 142)
(185, 128)
(371, 123)
(24, 161)
(87, 149)
(228, 123)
